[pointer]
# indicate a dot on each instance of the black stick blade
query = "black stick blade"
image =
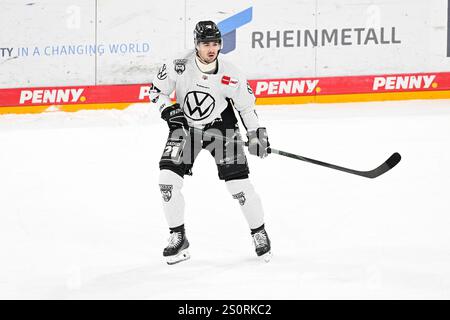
(393, 160)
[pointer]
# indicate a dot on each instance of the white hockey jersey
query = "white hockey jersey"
(204, 96)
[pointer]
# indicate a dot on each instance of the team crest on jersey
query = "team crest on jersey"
(180, 65)
(232, 82)
(241, 197)
(166, 191)
(198, 105)
(162, 73)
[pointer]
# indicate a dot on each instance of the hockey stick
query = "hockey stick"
(391, 162)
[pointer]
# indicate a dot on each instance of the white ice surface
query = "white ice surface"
(81, 218)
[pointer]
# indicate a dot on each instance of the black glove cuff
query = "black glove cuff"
(171, 111)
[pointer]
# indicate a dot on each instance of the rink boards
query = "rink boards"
(267, 91)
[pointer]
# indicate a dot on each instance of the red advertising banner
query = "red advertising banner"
(73, 95)
(347, 88)
(351, 84)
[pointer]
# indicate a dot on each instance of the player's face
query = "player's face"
(208, 51)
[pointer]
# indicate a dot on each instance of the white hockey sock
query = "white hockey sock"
(251, 206)
(170, 185)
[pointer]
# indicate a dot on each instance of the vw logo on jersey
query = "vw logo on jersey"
(162, 73)
(198, 105)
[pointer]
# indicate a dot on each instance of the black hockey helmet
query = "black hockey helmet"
(206, 31)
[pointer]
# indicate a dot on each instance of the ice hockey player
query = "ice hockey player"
(208, 90)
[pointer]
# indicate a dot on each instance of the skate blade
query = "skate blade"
(266, 257)
(181, 256)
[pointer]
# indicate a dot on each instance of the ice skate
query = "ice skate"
(262, 245)
(176, 251)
